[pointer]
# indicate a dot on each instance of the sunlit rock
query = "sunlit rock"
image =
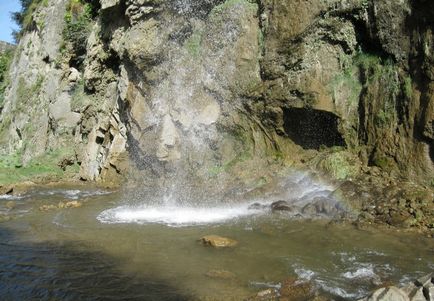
(218, 241)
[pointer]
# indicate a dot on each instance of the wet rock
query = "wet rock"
(425, 280)
(265, 295)
(256, 206)
(11, 204)
(292, 290)
(220, 274)
(218, 241)
(7, 189)
(391, 293)
(281, 206)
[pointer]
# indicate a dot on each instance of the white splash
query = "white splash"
(365, 272)
(176, 216)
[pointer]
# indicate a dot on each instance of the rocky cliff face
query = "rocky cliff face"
(210, 87)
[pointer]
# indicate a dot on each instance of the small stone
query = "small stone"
(73, 204)
(218, 241)
(11, 205)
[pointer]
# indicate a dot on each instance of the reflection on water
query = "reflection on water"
(70, 271)
(68, 254)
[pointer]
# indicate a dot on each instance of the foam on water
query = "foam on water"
(176, 215)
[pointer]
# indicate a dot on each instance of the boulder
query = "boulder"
(218, 241)
(391, 293)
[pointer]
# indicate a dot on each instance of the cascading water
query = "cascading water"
(180, 116)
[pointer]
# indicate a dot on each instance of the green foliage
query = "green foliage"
(192, 44)
(408, 87)
(340, 164)
(25, 93)
(385, 163)
(24, 18)
(46, 165)
(349, 80)
(384, 117)
(78, 23)
(5, 62)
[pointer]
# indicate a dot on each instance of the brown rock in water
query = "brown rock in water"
(218, 241)
(292, 290)
(73, 204)
(220, 274)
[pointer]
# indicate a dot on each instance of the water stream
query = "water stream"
(107, 250)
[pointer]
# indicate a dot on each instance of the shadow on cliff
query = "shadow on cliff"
(67, 271)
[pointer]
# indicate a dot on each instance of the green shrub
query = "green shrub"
(5, 61)
(78, 24)
(192, 44)
(341, 165)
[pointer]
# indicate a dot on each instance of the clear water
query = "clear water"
(87, 254)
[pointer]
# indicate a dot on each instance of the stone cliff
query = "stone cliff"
(146, 87)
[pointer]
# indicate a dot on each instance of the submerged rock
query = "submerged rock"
(11, 204)
(4, 218)
(218, 241)
(220, 274)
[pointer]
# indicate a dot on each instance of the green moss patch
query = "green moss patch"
(48, 165)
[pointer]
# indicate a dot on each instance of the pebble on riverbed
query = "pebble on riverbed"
(218, 241)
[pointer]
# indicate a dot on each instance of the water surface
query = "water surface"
(85, 254)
